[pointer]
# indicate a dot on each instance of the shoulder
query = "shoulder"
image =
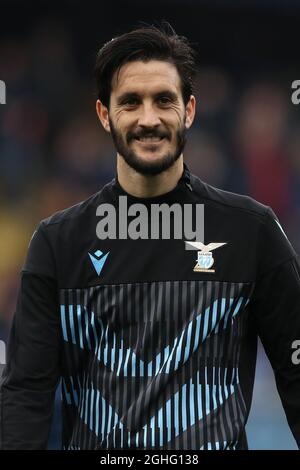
(75, 215)
(70, 214)
(65, 231)
(228, 201)
(249, 220)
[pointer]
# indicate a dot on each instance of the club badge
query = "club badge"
(205, 258)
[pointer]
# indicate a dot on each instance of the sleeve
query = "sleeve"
(276, 309)
(30, 378)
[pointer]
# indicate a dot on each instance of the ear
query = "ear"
(190, 110)
(102, 112)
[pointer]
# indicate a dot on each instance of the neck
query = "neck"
(139, 185)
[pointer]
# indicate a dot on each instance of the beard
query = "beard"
(137, 163)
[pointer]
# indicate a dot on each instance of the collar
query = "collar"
(184, 180)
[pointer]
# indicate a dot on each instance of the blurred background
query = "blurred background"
(54, 153)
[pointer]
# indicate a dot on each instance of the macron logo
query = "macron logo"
(98, 260)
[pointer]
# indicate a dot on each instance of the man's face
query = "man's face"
(147, 116)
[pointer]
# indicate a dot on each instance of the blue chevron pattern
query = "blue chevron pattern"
(93, 410)
(136, 349)
(163, 360)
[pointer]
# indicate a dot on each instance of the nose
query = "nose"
(148, 116)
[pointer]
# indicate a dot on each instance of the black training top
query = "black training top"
(155, 343)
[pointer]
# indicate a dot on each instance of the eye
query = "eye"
(164, 100)
(131, 102)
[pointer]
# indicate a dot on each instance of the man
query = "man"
(155, 338)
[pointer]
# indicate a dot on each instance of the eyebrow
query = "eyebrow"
(134, 95)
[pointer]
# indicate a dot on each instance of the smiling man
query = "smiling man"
(148, 117)
(155, 339)
(147, 107)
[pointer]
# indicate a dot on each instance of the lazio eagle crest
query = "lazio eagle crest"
(205, 258)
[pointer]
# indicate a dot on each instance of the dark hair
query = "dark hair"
(146, 43)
